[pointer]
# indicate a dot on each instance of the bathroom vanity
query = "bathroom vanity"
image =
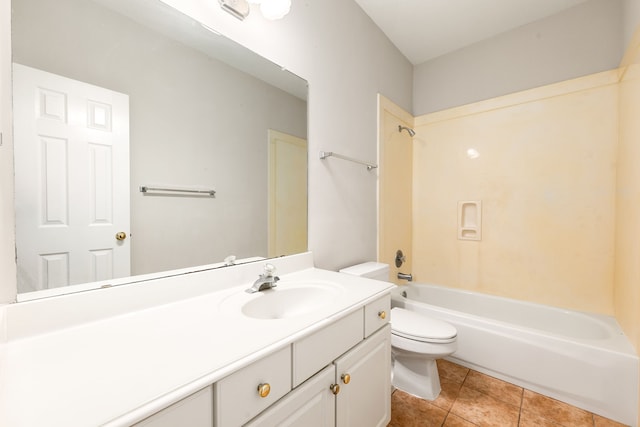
(200, 351)
(282, 389)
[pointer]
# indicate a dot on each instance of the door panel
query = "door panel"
(287, 194)
(72, 181)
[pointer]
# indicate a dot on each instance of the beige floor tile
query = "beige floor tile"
(451, 371)
(411, 411)
(494, 387)
(531, 419)
(448, 394)
(471, 399)
(556, 411)
(456, 421)
(605, 422)
(484, 410)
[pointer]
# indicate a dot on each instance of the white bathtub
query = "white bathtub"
(579, 358)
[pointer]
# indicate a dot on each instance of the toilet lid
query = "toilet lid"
(416, 326)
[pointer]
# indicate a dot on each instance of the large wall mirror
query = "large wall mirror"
(114, 95)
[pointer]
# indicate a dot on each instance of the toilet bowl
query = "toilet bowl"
(416, 342)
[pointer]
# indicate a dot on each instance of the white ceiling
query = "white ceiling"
(425, 29)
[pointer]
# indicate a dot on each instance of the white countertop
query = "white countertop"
(115, 365)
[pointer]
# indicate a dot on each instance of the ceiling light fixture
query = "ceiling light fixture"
(238, 8)
(274, 9)
(271, 9)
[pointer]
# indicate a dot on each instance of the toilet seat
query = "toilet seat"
(417, 327)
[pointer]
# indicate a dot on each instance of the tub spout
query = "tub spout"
(404, 276)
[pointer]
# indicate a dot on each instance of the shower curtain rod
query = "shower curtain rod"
(325, 154)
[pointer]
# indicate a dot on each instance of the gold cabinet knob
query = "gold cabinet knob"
(264, 389)
(335, 388)
(382, 314)
(346, 378)
(121, 235)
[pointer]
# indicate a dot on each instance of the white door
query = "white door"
(71, 180)
(287, 194)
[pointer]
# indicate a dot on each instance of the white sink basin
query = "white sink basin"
(286, 300)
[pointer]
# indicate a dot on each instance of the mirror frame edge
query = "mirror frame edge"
(8, 267)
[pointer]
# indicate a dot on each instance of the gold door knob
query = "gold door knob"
(335, 388)
(346, 378)
(121, 235)
(382, 314)
(264, 389)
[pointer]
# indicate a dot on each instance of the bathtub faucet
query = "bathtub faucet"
(404, 276)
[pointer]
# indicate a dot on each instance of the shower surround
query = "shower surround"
(556, 170)
(543, 165)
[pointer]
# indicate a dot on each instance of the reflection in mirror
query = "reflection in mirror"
(113, 95)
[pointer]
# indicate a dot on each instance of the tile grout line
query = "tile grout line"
(521, 405)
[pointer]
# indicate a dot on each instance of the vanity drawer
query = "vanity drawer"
(237, 397)
(376, 314)
(312, 353)
(194, 411)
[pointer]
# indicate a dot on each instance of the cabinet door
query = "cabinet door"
(310, 405)
(364, 376)
(193, 411)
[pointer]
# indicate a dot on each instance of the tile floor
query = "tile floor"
(469, 398)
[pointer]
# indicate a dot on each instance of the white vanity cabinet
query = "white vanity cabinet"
(205, 361)
(354, 389)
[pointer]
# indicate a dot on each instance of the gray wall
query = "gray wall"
(631, 14)
(347, 60)
(583, 40)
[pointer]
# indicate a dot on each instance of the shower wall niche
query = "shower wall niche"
(470, 220)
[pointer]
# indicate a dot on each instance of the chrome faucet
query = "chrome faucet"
(265, 281)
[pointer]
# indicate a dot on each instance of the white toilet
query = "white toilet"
(416, 341)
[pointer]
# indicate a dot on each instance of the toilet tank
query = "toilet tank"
(371, 270)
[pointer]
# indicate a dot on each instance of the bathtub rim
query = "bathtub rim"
(617, 341)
